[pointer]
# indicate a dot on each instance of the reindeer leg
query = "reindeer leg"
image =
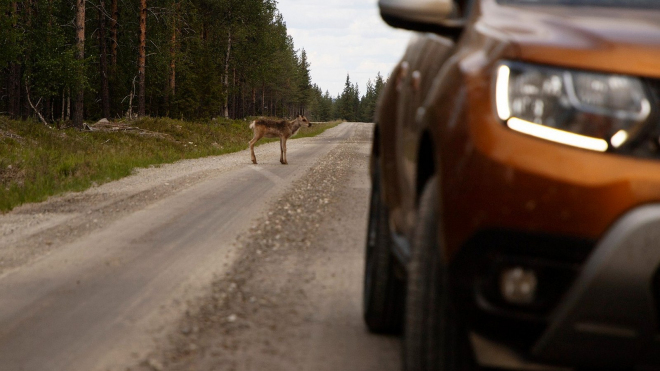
(252, 142)
(284, 151)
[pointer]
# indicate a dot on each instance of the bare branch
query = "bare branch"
(27, 95)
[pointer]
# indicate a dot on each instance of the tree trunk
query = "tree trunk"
(48, 108)
(63, 103)
(28, 8)
(80, 56)
(142, 59)
(68, 104)
(14, 80)
(254, 101)
(173, 50)
(113, 32)
(103, 62)
(14, 90)
(242, 101)
(235, 97)
(226, 79)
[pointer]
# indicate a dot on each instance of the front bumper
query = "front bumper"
(609, 315)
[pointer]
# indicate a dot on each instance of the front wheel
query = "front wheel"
(383, 297)
(434, 338)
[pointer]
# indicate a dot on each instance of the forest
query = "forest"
(63, 62)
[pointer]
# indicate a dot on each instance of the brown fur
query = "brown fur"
(274, 129)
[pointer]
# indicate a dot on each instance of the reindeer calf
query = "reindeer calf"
(276, 128)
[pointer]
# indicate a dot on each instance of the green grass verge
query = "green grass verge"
(37, 162)
(316, 129)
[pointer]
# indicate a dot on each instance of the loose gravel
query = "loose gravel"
(295, 286)
(259, 314)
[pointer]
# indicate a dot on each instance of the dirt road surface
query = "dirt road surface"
(210, 264)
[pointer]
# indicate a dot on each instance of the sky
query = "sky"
(343, 37)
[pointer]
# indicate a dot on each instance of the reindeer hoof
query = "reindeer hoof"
(254, 161)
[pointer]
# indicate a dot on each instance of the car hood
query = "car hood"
(618, 40)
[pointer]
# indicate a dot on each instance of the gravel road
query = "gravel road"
(209, 264)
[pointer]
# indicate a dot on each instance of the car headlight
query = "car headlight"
(587, 110)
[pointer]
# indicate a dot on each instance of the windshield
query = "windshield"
(603, 3)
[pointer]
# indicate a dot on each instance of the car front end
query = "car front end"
(551, 180)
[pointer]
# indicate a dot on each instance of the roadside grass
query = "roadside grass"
(37, 162)
(316, 129)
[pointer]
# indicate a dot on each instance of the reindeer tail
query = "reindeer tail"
(252, 125)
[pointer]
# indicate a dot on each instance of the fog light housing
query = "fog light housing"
(518, 285)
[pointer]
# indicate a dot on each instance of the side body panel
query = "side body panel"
(433, 51)
(399, 132)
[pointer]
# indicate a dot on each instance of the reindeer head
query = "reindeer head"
(303, 121)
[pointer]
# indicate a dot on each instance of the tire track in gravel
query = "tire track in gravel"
(292, 300)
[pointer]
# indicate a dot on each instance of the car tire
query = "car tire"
(434, 338)
(384, 292)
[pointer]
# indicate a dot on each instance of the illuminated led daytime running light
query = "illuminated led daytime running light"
(557, 136)
(502, 92)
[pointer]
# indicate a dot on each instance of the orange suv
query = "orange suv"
(515, 210)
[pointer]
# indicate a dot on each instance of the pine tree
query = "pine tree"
(142, 59)
(206, 58)
(103, 60)
(345, 101)
(80, 56)
(305, 84)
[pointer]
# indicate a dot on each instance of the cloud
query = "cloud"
(343, 36)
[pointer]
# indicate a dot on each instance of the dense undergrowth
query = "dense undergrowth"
(37, 162)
